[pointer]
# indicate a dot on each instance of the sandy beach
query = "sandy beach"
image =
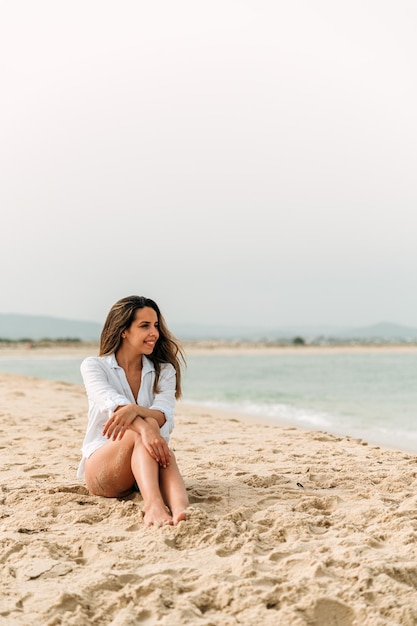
(286, 526)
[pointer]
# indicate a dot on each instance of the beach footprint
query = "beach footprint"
(199, 495)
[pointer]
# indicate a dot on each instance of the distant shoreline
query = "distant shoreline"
(205, 347)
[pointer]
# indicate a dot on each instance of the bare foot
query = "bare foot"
(157, 514)
(181, 516)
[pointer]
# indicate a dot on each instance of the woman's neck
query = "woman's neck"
(129, 361)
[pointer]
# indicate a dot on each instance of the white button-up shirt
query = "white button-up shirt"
(107, 388)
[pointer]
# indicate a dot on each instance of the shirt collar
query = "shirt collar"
(147, 365)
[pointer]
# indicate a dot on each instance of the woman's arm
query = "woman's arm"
(99, 389)
(128, 418)
(164, 400)
(124, 416)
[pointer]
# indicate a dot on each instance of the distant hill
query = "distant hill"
(384, 331)
(16, 326)
(232, 333)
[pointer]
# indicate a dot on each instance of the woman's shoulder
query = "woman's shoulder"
(93, 362)
(92, 359)
(167, 369)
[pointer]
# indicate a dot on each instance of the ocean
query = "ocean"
(372, 396)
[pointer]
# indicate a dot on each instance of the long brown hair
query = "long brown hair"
(167, 348)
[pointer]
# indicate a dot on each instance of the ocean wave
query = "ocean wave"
(309, 419)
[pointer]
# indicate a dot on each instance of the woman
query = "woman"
(131, 389)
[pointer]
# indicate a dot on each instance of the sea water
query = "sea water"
(368, 395)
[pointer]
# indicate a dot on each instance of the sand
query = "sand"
(287, 527)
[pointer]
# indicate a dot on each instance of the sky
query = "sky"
(241, 162)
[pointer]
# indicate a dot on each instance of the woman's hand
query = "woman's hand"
(153, 441)
(120, 421)
(148, 428)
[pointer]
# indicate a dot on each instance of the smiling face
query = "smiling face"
(143, 333)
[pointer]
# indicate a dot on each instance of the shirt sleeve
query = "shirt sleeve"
(98, 387)
(164, 399)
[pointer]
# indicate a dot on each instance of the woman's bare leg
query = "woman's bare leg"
(146, 471)
(108, 471)
(173, 490)
(112, 469)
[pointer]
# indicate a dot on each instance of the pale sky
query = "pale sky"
(242, 162)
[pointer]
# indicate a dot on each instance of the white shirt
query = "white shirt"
(107, 388)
